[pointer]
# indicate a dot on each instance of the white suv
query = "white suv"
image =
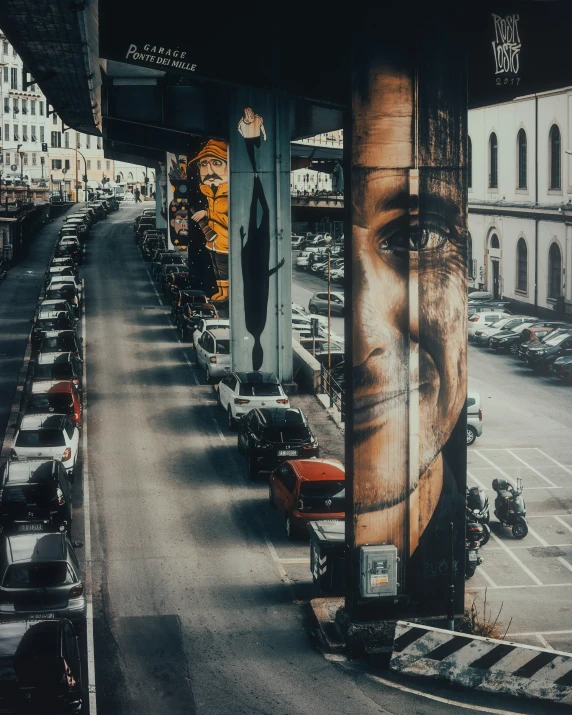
(213, 352)
(240, 392)
(484, 320)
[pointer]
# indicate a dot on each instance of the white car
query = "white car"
(206, 324)
(482, 336)
(484, 320)
(240, 392)
(47, 436)
(302, 260)
(66, 280)
(129, 197)
(213, 353)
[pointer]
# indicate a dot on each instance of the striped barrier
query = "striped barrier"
(482, 663)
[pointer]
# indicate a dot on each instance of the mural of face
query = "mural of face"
(213, 170)
(180, 223)
(394, 262)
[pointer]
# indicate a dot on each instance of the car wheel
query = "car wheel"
(209, 377)
(231, 421)
(271, 497)
(290, 532)
(471, 434)
(312, 308)
(251, 469)
(513, 349)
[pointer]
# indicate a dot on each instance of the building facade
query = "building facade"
(520, 201)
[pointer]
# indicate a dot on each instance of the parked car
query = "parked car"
(305, 490)
(151, 243)
(47, 436)
(164, 258)
(540, 357)
(145, 224)
(269, 435)
(490, 307)
(189, 316)
(59, 366)
(61, 341)
(482, 320)
(41, 667)
(81, 226)
(59, 305)
(240, 392)
(318, 303)
(213, 353)
(302, 260)
(536, 334)
(62, 294)
(175, 282)
(182, 298)
(167, 272)
(482, 335)
(59, 270)
(67, 280)
(480, 295)
(67, 250)
(40, 578)
(48, 321)
(298, 242)
(61, 397)
(511, 342)
(35, 495)
(207, 324)
(562, 368)
(146, 213)
(474, 417)
(64, 261)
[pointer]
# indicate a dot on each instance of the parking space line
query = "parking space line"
(302, 560)
(493, 465)
(515, 558)
(561, 521)
(487, 578)
(154, 288)
(533, 469)
(543, 641)
(87, 527)
(543, 633)
(561, 559)
(478, 481)
(554, 460)
(528, 585)
(524, 546)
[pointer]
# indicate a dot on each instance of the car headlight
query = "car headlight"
(503, 340)
(540, 352)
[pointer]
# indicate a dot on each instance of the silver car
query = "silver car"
(481, 336)
(474, 417)
(213, 353)
(319, 303)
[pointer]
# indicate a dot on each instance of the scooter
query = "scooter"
(472, 558)
(510, 508)
(478, 510)
(475, 531)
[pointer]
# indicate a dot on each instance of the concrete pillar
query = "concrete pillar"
(161, 197)
(405, 428)
(260, 229)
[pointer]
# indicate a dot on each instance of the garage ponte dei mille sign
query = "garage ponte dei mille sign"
(158, 56)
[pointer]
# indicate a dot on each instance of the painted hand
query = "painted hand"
(199, 215)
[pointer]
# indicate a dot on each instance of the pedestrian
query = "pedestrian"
(137, 196)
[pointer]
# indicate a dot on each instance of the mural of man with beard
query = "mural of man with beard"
(409, 324)
(179, 222)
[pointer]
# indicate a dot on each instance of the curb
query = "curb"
(329, 633)
(16, 403)
(484, 664)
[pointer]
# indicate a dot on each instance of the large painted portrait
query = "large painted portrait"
(409, 325)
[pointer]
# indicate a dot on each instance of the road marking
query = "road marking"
(218, 429)
(438, 699)
(561, 521)
(515, 558)
(483, 573)
(561, 559)
(87, 527)
(544, 633)
(295, 561)
(478, 481)
(566, 469)
(154, 288)
(520, 546)
(532, 469)
(543, 641)
(529, 585)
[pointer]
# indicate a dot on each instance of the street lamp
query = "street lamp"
(84, 170)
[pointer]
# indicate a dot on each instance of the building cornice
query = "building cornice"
(560, 214)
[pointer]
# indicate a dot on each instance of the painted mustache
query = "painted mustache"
(212, 177)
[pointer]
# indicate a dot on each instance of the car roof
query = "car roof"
(252, 378)
(36, 547)
(222, 333)
(50, 314)
(51, 358)
(280, 417)
(189, 292)
(30, 471)
(42, 421)
(318, 470)
(43, 387)
(59, 333)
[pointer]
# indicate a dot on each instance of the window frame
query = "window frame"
(493, 175)
(521, 160)
(520, 270)
(554, 177)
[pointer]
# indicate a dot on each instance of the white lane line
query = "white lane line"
(547, 516)
(515, 558)
(218, 429)
(438, 699)
(295, 561)
(543, 633)
(561, 521)
(87, 527)
(483, 573)
(533, 469)
(478, 481)
(154, 288)
(527, 546)
(530, 585)
(544, 642)
(561, 559)
(566, 469)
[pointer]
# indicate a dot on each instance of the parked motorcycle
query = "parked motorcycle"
(472, 558)
(510, 508)
(478, 511)
(475, 531)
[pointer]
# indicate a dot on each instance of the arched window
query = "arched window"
(495, 241)
(521, 265)
(493, 162)
(521, 139)
(470, 164)
(555, 158)
(130, 176)
(554, 271)
(470, 257)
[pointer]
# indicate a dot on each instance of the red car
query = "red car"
(57, 396)
(306, 490)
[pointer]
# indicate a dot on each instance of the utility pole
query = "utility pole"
(76, 179)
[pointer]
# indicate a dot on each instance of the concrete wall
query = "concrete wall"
(306, 369)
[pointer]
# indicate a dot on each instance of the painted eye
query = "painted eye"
(431, 239)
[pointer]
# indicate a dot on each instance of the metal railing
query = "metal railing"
(329, 386)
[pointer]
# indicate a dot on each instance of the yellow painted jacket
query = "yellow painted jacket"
(217, 216)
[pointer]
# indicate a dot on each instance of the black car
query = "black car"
(61, 341)
(540, 357)
(69, 249)
(151, 243)
(146, 224)
(41, 667)
(182, 297)
(268, 436)
(50, 321)
(190, 316)
(170, 260)
(36, 495)
(59, 366)
(534, 335)
(562, 368)
(167, 271)
(510, 342)
(65, 293)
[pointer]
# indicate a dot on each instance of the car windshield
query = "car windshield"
(47, 323)
(557, 339)
(55, 402)
(41, 438)
(286, 433)
(60, 345)
(500, 323)
(27, 494)
(223, 347)
(261, 389)
(56, 371)
(55, 293)
(323, 490)
(36, 575)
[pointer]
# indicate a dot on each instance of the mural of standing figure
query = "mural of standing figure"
(213, 171)
(255, 242)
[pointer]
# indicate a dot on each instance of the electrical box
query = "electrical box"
(378, 571)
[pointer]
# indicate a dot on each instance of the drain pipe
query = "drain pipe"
(536, 203)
